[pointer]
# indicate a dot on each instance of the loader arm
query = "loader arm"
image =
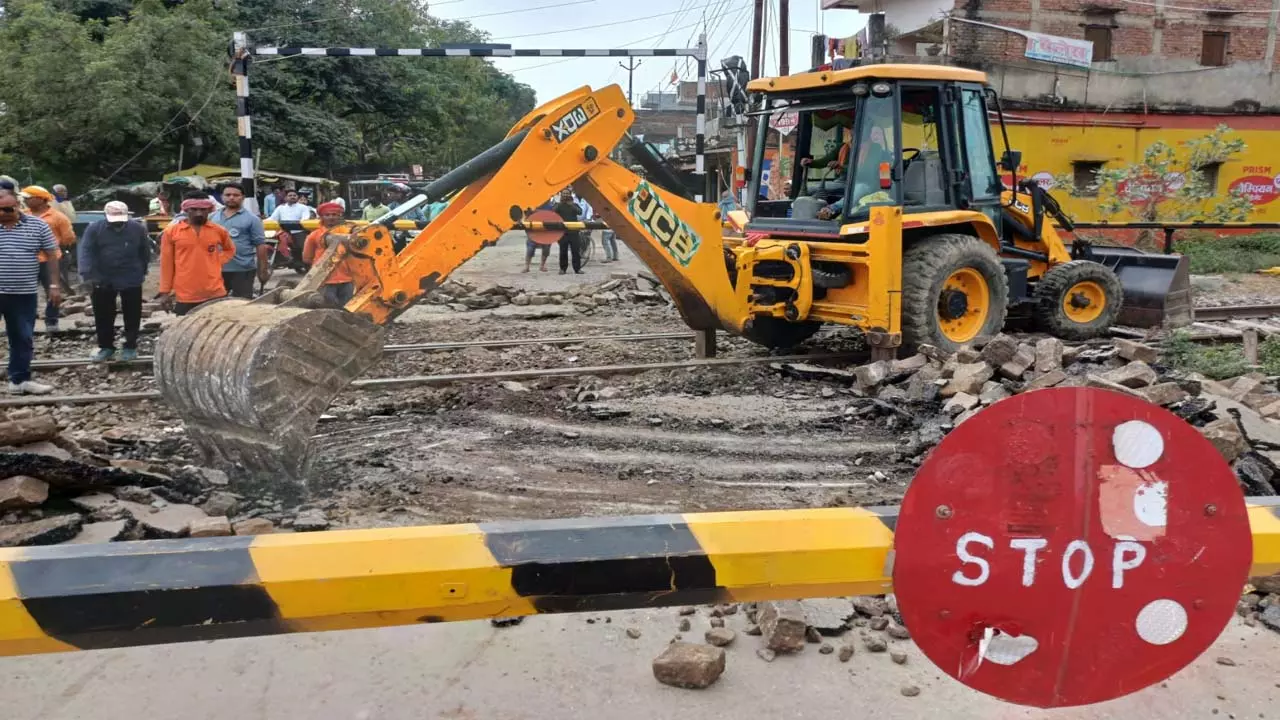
(251, 378)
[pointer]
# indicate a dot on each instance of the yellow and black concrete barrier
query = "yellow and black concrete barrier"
(72, 597)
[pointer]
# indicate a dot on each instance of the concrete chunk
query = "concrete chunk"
(1048, 354)
(1164, 394)
(1097, 381)
(1000, 350)
(908, 365)
(688, 665)
(48, 531)
(993, 392)
(783, 625)
(1047, 380)
(968, 379)
(211, 527)
(870, 376)
(1018, 365)
(1132, 350)
(1136, 374)
(100, 532)
(254, 526)
(21, 491)
(960, 403)
(1226, 436)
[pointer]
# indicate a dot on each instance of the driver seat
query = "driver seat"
(922, 180)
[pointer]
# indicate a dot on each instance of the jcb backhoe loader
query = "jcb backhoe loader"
(906, 235)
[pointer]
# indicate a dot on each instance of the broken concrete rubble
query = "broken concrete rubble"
(783, 625)
(47, 531)
(1136, 374)
(689, 665)
(21, 492)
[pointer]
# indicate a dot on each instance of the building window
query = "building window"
(1100, 36)
(1214, 51)
(1085, 178)
(1209, 177)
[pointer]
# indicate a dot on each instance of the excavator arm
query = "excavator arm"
(251, 378)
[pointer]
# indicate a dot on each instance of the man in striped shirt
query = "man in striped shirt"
(22, 239)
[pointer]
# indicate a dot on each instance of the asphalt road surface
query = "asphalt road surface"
(564, 667)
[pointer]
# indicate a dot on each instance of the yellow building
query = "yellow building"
(1075, 145)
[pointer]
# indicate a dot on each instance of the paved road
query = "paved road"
(562, 667)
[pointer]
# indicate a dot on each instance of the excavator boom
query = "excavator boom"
(251, 378)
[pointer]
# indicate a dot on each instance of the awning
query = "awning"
(222, 172)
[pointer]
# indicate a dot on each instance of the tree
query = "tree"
(1170, 184)
(117, 90)
(86, 100)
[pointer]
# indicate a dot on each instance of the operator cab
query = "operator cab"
(916, 136)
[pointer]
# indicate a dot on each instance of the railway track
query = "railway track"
(395, 383)
(1236, 312)
(145, 361)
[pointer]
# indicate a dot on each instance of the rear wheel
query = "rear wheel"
(953, 290)
(1078, 300)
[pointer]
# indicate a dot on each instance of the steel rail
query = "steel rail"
(1236, 312)
(145, 361)
(435, 380)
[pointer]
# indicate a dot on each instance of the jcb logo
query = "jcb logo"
(574, 120)
(668, 229)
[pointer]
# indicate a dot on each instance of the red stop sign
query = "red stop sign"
(545, 237)
(1070, 546)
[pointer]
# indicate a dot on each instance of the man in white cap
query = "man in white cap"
(113, 255)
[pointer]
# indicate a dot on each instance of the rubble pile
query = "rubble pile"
(783, 628)
(61, 486)
(621, 287)
(934, 391)
(1261, 603)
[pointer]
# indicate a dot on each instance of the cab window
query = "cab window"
(975, 135)
(874, 149)
(923, 159)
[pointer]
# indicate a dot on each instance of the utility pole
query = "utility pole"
(784, 39)
(757, 38)
(630, 67)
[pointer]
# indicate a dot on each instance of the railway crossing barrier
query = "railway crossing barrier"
(1062, 547)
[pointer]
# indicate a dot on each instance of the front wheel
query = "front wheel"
(953, 290)
(1078, 300)
(585, 246)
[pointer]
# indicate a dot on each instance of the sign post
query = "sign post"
(1070, 546)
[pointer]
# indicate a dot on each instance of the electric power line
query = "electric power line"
(608, 24)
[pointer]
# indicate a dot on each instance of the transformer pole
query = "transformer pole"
(784, 37)
(630, 67)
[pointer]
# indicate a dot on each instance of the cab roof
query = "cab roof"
(828, 78)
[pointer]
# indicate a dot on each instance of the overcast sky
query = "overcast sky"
(647, 24)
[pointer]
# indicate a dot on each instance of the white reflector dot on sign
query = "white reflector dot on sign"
(1161, 622)
(1137, 444)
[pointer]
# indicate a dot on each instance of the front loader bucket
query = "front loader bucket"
(250, 380)
(1157, 288)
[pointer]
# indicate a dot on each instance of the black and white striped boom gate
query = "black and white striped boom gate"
(243, 53)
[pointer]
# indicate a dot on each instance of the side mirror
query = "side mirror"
(1011, 160)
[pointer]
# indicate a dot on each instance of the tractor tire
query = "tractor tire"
(777, 334)
(1078, 300)
(831, 276)
(953, 290)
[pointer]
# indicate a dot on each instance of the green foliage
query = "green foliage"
(1210, 253)
(94, 83)
(1145, 191)
(1219, 362)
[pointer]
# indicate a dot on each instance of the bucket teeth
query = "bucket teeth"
(251, 380)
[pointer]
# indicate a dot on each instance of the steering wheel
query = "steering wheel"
(915, 153)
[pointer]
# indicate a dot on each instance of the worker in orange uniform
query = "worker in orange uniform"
(192, 253)
(42, 204)
(339, 288)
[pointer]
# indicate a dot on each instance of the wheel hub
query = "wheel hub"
(1080, 300)
(953, 304)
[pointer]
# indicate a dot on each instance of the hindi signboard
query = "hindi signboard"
(1054, 49)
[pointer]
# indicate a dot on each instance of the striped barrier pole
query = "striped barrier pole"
(80, 597)
(159, 224)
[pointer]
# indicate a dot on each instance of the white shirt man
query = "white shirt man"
(292, 210)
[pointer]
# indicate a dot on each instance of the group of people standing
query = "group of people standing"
(570, 209)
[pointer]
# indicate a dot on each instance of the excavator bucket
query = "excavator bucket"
(1157, 288)
(251, 378)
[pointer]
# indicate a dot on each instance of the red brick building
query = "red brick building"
(1216, 56)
